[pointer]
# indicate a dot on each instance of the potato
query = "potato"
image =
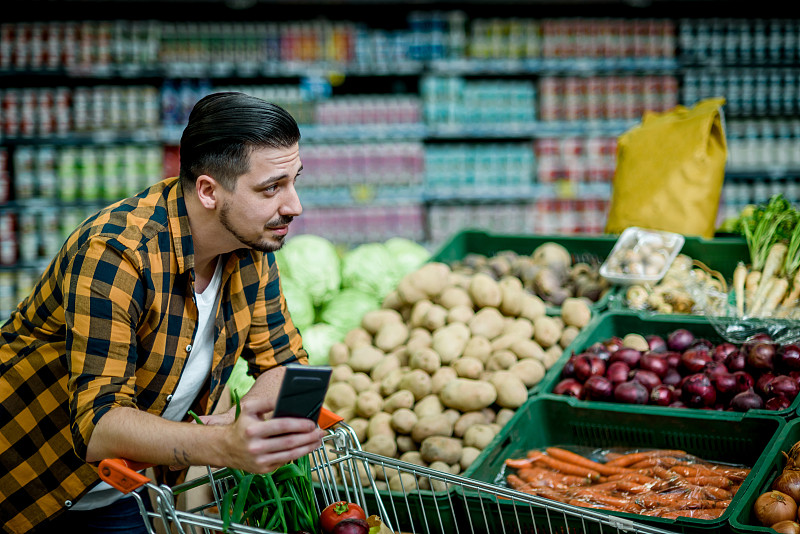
(383, 444)
(340, 395)
(467, 395)
(392, 301)
(450, 341)
(520, 327)
(467, 420)
(403, 482)
(452, 415)
(511, 391)
(408, 292)
(487, 322)
(568, 335)
(431, 278)
(530, 371)
(546, 331)
(504, 416)
(504, 342)
(365, 474)
(479, 436)
(338, 354)
(374, 320)
(440, 448)
(489, 414)
(468, 456)
(532, 307)
(635, 341)
(460, 314)
(364, 357)
(428, 406)
(389, 363)
(403, 420)
(511, 296)
(417, 382)
(400, 399)
(380, 423)
(359, 426)
(368, 403)
(501, 360)
(575, 312)
(405, 444)
(391, 382)
(459, 279)
(527, 348)
(485, 291)
(357, 337)
(401, 353)
(431, 425)
(551, 356)
(413, 457)
(390, 336)
(360, 381)
(453, 296)
(434, 483)
(341, 373)
(426, 359)
(478, 347)
(416, 343)
(418, 312)
(435, 317)
(441, 377)
(468, 367)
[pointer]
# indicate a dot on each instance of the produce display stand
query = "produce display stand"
(619, 323)
(545, 421)
(410, 510)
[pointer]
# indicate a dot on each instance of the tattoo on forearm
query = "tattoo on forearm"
(181, 457)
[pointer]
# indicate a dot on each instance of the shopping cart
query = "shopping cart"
(417, 500)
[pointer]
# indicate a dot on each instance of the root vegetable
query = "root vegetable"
(568, 335)
(503, 417)
(478, 347)
(527, 348)
(511, 297)
(774, 296)
(468, 367)
(519, 327)
(460, 314)
(432, 425)
(403, 420)
(546, 331)
(484, 291)
(374, 320)
(635, 341)
(441, 448)
(428, 406)
(418, 312)
(533, 307)
(552, 254)
(357, 337)
(479, 436)
(390, 336)
(406, 444)
(340, 395)
(338, 354)
(408, 292)
(468, 457)
(341, 373)
(431, 278)
(368, 403)
(575, 312)
(468, 395)
(441, 377)
(383, 444)
(530, 371)
(403, 482)
(487, 322)
(453, 296)
(359, 426)
(417, 382)
(772, 266)
(391, 382)
(412, 457)
(435, 317)
(389, 363)
(364, 357)
(426, 359)
(501, 360)
(360, 381)
(398, 400)
(511, 391)
(380, 423)
(739, 276)
(467, 420)
(450, 341)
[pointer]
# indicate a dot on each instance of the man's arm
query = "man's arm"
(250, 443)
(266, 387)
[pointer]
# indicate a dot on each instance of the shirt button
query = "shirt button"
(68, 504)
(169, 398)
(188, 348)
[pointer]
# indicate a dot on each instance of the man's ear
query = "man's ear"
(206, 188)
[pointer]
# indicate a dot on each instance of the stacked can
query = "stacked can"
(740, 41)
(456, 101)
(576, 160)
(569, 216)
(748, 91)
(368, 109)
(444, 220)
(373, 164)
(505, 39)
(5, 178)
(354, 225)
(608, 38)
(494, 168)
(763, 144)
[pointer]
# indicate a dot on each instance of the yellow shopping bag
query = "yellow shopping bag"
(670, 170)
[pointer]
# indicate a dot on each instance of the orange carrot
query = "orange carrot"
(539, 473)
(573, 458)
(633, 476)
(516, 482)
(587, 494)
(698, 513)
(631, 458)
(583, 504)
(706, 480)
(655, 461)
(657, 500)
(566, 468)
(518, 463)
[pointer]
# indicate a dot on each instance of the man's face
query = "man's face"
(258, 211)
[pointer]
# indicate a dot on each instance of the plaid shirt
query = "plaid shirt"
(109, 324)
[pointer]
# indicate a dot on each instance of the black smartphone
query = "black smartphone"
(302, 391)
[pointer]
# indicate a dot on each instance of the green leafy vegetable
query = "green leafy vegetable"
(314, 264)
(345, 311)
(370, 268)
(299, 302)
(318, 340)
(765, 225)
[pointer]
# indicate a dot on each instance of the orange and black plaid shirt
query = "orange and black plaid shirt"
(111, 323)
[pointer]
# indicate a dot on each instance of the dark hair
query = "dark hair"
(223, 130)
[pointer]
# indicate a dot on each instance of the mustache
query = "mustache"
(283, 220)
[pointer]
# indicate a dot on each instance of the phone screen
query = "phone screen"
(302, 391)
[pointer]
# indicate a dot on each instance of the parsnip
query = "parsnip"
(772, 267)
(792, 297)
(777, 292)
(739, 275)
(750, 285)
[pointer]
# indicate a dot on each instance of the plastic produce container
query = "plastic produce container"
(620, 323)
(643, 246)
(743, 519)
(582, 248)
(544, 422)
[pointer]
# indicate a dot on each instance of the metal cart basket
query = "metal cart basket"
(419, 499)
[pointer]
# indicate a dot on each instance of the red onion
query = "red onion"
(760, 356)
(627, 355)
(761, 337)
(662, 395)
(744, 381)
(618, 372)
(796, 376)
(587, 365)
(568, 371)
(631, 392)
(788, 357)
(715, 368)
(725, 384)
(569, 387)
(677, 404)
(680, 340)
(656, 343)
(599, 350)
(673, 358)
(720, 352)
(735, 361)
(782, 385)
(694, 360)
(778, 402)
(613, 344)
(655, 362)
(763, 382)
(598, 388)
(747, 400)
(697, 391)
(672, 378)
(702, 343)
(647, 378)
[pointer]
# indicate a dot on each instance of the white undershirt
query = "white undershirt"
(194, 375)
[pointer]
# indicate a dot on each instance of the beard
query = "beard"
(263, 245)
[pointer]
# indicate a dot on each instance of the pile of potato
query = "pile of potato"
(432, 376)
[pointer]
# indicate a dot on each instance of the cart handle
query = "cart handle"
(123, 474)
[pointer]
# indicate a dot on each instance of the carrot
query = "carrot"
(516, 482)
(539, 473)
(584, 504)
(705, 480)
(655, 462)
(587, 494)
(702, 513)
(566, 468)
(629, 486)
(573, 458)
(656, 500)
(639, 478)
(713, 492)
(694, 470)
(518, 463)
(631, 458)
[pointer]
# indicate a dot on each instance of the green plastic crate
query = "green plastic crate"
(742, 519)
(620, 323)
(544, 422)
(488, 244)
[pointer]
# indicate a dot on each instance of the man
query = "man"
(141, 316)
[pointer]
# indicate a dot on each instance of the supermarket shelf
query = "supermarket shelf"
(552, 65)
(99, 137)
(771, 173)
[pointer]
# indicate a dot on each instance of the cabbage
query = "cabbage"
(408, 254)
(318, 340)
(370, 268)
(345, 310)
(299, 303)
(240, 382)
(313, 263)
